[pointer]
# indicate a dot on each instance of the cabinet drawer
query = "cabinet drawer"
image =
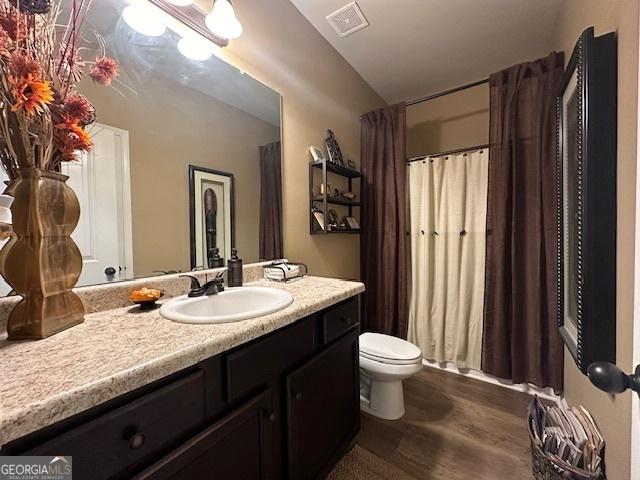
(337, 320)
(257, 365)
(236, 447)
(105, 446)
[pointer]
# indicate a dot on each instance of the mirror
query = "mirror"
(186, 155)
(586, 166)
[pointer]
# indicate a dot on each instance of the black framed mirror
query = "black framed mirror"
(586, 109)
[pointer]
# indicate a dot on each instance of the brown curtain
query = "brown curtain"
(270, 202)
(521, 340)
(383, 254)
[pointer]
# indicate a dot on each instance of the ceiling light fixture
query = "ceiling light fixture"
(222, 20)
(142, 21)
(195, 48)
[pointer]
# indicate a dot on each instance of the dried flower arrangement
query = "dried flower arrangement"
(43, 117)
(43, 122)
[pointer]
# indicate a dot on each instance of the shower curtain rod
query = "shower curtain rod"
(448, 152)
(447, 92)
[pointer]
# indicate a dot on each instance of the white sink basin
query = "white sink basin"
(232, 305)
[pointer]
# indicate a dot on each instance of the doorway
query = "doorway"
(101, 180)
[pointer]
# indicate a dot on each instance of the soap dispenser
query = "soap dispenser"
(216, 261)
(234, 269)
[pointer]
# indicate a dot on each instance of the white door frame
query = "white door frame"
(123, 173)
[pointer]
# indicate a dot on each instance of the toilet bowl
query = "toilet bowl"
(385, 361)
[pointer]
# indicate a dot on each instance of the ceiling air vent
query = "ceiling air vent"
(347, 20)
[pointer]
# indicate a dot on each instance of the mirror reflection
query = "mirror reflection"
(186, 158)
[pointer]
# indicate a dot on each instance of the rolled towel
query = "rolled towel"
(275, 271)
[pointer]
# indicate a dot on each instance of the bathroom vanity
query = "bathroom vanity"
(267, 398)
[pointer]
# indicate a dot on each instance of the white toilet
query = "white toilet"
(384, 362)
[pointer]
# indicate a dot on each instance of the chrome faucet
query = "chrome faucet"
(212, 287)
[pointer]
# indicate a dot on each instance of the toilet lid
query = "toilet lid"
(388, 349)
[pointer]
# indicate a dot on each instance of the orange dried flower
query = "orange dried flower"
(104, 70)
(70, 138)
(31, 94)
(78, 108)
(5, 43)
(23, 65)
(12, 22)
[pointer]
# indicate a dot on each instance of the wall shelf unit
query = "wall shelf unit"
(323, 201)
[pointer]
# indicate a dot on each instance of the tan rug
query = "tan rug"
(360, 464)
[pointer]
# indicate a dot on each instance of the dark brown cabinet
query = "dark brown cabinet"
(285, 405)
(323, 409)
(237, 446)
(114, 443)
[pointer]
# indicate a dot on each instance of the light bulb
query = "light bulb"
(181, 3)
(196, 48)
(142, 21)
(222, 20)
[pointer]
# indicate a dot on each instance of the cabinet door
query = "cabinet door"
(323, 409)
(237, 446)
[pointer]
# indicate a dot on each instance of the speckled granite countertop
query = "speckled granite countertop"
(116, 351)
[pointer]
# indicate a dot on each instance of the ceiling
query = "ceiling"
(413, 48)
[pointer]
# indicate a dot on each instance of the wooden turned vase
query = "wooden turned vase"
(41, 262)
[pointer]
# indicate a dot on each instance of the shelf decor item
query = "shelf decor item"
(329, 195)
(316, 154)
(43, 123)
(351, 223)
(333, 149)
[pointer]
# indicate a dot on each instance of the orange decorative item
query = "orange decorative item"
(41, 262)
(44, 123)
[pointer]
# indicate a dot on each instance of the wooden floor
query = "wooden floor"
(455, 428)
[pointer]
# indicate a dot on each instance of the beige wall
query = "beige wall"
(613, 414)
(185, 127)
(320, 90)
(454, 121)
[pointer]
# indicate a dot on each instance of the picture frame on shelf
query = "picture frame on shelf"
(351, 223)
(316, 154)
(319, 217)
(352, 165)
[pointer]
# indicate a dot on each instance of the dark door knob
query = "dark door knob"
(609, 378)
(109, 271)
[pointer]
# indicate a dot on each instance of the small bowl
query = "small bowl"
(148, 304)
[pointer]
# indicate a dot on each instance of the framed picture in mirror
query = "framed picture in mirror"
(211, 215)
(586, 186)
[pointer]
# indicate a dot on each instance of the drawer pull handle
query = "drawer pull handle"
(136, 441)
(270, 415)
(346, 320)
(297, 395)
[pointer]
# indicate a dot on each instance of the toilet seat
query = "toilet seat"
(389, 350)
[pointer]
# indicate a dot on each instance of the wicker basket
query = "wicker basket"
(545, 469)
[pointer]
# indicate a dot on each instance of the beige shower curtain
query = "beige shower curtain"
(448, 208)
